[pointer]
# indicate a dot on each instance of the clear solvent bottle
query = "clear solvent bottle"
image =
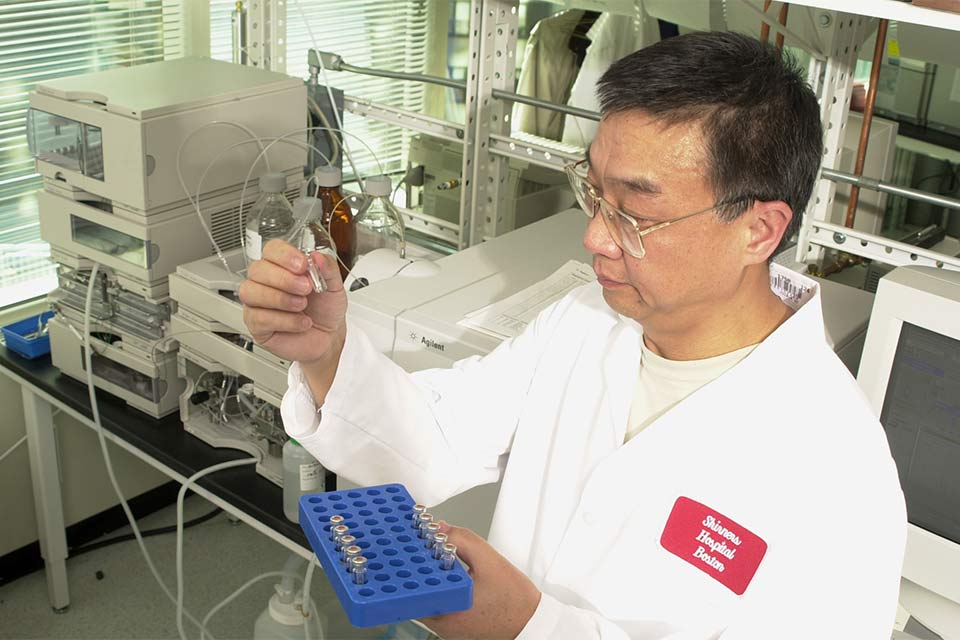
(379, 224)
(302, 474)
(270, 217)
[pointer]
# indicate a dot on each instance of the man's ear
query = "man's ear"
(766, 223)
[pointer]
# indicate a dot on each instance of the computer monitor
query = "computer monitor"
(910, 372)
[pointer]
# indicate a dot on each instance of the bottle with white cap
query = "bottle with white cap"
(379, 224)
(302, 474)
(270, 217)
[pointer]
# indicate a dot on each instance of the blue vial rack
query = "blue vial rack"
(404, 581)
(24, 338)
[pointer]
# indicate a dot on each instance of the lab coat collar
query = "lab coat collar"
(799, 292)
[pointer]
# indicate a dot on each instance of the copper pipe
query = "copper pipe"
(782, 19)
(764, 27)
(867, 119)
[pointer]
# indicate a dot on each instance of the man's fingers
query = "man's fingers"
(265, 322)
(272, 275)
(254, 294)
(285, 255)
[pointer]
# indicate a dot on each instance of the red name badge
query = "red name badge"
(713, 543)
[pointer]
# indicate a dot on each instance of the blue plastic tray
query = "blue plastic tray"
(404, 581)
(15, 336)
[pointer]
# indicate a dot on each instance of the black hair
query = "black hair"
(760, 118)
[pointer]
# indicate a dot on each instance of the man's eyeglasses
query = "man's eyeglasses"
(622, 227)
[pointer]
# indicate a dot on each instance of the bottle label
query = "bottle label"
(253, 245)
(311, 477)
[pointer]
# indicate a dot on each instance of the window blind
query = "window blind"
(45, 39)
(367, 33)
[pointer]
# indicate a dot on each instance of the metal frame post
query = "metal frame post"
(492, 66)
(266, 34)
(836, 87)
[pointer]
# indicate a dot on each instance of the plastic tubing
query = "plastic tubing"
(284, 137)
(180, 496)
(183, 184)
(95, 410)
(233, 596)
(209, 166)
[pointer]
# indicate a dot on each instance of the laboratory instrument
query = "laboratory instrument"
(113, 149)
(910, 374)
(395, 578)
(215, 345)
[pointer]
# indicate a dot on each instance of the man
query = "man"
(682, 454)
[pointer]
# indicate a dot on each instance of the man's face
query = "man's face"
(658, 173)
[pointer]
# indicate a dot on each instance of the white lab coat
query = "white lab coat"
(611, 38)
(783, 444)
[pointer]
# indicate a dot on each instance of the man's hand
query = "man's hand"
(504, 599)
(282, 311)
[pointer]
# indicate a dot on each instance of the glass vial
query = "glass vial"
(302, 474)
(270, 217)
(379, 224)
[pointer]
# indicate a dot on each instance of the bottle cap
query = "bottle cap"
(273, 183)
(377, 186)
(308, 209)
(327, 176)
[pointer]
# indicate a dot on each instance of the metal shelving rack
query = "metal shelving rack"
(488, 144)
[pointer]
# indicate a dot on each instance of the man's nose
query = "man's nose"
(597, 239)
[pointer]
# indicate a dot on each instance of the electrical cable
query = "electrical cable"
(333, 102)
(233, 596)
(93, 546)
(11, 449)
(101, 436)
(322, 117)
(180, 495)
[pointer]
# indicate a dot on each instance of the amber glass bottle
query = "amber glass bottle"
(337, 215)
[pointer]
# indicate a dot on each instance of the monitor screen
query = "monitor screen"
(921, 415)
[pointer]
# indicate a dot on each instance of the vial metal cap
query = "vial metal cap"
(426, 518)
(353, 550)
(449, 548)
(419, 508)
(358, 562)
(347, 540)
(340, 529)
(335, 520)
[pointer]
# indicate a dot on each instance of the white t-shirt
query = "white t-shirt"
(663, 383)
